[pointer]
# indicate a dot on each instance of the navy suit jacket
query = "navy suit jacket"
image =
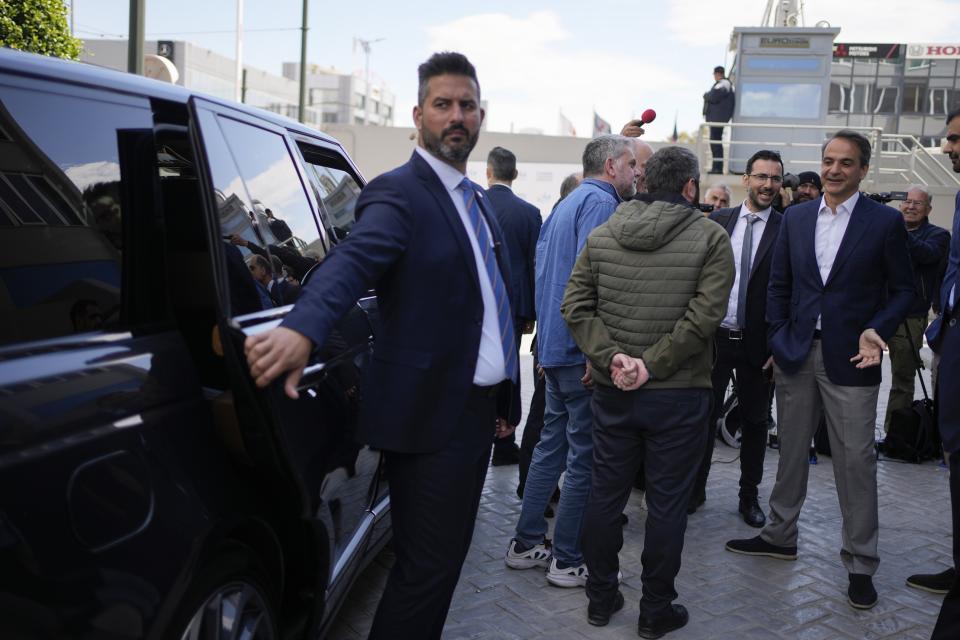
(410, 244)
(755, 335)
(869, 286)
(520, 222)
(948, 380)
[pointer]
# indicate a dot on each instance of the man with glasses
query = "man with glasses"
(742, 337)
(840, 285)
(928, 245)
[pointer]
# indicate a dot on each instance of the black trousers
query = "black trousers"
(753, 396)
(664, 430)
(433, 505)
(948, 622)
(716, 148)
(533, 425)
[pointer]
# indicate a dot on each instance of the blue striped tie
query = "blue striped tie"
(504, 315)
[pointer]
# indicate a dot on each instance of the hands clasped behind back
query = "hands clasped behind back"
(628, 373)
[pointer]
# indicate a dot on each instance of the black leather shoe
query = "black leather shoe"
(751, 512)
(670, 619)
(860, 593)
(599, 614)
(759, 547)
(933, 582)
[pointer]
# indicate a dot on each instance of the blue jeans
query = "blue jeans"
(566, 443)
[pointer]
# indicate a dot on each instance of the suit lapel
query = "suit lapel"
(436, 189)
(807, 232)
(852, 235)
(731, 223)
(770, 230)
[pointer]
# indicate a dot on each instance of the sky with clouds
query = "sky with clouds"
(534, 59)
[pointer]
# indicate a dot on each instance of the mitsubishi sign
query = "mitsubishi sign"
(925, 51)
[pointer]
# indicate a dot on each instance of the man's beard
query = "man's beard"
(754, 197)
(437, 147)
(802, 197)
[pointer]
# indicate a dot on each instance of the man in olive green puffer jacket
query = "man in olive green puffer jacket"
(643, 302)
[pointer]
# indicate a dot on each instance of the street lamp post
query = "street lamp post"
(365, 45)
(135, 37)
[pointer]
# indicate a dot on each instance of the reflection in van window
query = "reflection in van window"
(61, 213)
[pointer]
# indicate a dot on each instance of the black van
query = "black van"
(147, 488)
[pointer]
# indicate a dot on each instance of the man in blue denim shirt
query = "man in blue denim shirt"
(566, 442)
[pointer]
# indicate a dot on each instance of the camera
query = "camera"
(886, 196)
(790, 181)
(705, 207)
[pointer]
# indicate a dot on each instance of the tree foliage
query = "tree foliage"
(38, 26)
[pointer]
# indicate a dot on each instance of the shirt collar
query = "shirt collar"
(763, 215)
(449, 177)
(845, 207)
(606, 186)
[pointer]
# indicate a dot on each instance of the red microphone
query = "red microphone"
(648, 116)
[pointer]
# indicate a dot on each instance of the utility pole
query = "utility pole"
(302, 101)
(365, 45)
(238, 71)
(135, 37)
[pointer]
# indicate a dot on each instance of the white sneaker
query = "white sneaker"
(569, 577)
(536, 556)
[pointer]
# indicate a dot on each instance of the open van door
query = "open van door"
(306, 448)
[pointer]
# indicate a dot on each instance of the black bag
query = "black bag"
(913, 434)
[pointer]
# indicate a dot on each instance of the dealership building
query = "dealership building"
(902, 88)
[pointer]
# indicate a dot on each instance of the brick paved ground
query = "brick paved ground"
(728, 595)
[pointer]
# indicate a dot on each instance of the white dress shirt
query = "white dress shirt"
(736, 239)
(829, 234)
(491, 367)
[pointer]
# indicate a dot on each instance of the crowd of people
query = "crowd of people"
(645, 310)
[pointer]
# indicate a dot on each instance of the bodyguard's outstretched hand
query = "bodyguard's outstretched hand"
(274, 352)
(871, 349)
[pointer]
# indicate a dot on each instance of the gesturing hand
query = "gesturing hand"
(274, 352)
(871, 349)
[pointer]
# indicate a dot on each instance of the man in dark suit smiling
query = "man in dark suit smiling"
(840, 285)
(445, 361)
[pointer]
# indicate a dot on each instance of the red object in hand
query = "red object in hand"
(648, 116)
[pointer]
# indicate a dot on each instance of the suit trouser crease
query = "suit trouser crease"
(664, 430)
(850, 416)
(566, 444)
(752, 400)
(434, 501)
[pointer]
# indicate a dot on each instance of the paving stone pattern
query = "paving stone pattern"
(727, 595)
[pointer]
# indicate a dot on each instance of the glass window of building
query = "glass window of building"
(780, 100)
(914, 97)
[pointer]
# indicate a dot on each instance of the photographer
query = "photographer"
(928, 245)
(808, 187)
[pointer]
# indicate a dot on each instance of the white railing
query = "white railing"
(897, 156)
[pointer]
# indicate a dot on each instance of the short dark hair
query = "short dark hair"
(569, 183)
(953, 114)
(503, 163)
(444, 62)
(720, 70)
(764, 154)
(856, 138)
(260, 261)
(670, 169)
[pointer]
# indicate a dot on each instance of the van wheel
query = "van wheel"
(229, 599)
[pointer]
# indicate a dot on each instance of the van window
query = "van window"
(64, 211)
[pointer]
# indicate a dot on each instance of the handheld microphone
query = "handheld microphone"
(648, 116)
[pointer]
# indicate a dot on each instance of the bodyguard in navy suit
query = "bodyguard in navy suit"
(840, 285)
(444, 363)
(520, 223)
(944, 337)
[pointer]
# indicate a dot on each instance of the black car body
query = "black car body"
(147, 488)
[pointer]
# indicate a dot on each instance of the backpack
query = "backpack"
(913, 435)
